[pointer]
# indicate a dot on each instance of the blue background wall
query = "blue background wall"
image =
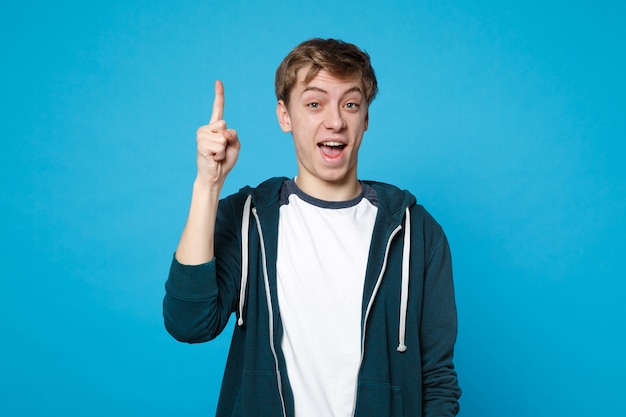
(506, 119)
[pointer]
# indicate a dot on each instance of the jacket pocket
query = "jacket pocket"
(258, 395)
(378, 399)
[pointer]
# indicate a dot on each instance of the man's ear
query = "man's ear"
(283, 116)
(367, 119)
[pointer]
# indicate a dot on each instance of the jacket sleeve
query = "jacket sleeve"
(438, 332)
(199, 299)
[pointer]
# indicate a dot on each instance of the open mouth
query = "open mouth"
(331, 149)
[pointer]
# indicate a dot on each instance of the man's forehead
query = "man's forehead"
(323, 76)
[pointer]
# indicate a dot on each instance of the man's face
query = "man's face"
(327, 118)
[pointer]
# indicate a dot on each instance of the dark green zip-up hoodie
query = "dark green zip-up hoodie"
(408, 323)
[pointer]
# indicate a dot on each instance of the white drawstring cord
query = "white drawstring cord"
(245, 226)
(404, 294)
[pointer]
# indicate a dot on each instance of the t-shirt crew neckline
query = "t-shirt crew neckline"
(291, 187)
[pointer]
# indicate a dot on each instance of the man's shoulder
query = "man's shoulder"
(267, 192)
(397, 200)
(392, 198)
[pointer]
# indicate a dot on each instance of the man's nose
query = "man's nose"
(334, 119)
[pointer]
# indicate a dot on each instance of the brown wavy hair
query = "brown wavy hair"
(341, 59)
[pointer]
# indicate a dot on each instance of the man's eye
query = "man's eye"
(352, 105)
(314, 105)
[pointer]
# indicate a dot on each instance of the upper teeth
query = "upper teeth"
(332, 143)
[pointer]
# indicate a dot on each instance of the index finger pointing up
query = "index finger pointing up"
(218, 102)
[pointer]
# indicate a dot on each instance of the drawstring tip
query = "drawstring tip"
(240, 322)
(401, 348)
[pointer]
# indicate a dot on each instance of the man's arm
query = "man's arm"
(438, 334)
(191, 307)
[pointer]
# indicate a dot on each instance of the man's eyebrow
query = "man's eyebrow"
(312, 88)
(321, 90)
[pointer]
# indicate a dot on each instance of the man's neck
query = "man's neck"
(330, 191)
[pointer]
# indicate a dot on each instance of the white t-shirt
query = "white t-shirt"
(323, 249)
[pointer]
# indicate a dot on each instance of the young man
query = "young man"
(342, 288)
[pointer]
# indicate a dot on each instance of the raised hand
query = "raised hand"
(218, 146)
